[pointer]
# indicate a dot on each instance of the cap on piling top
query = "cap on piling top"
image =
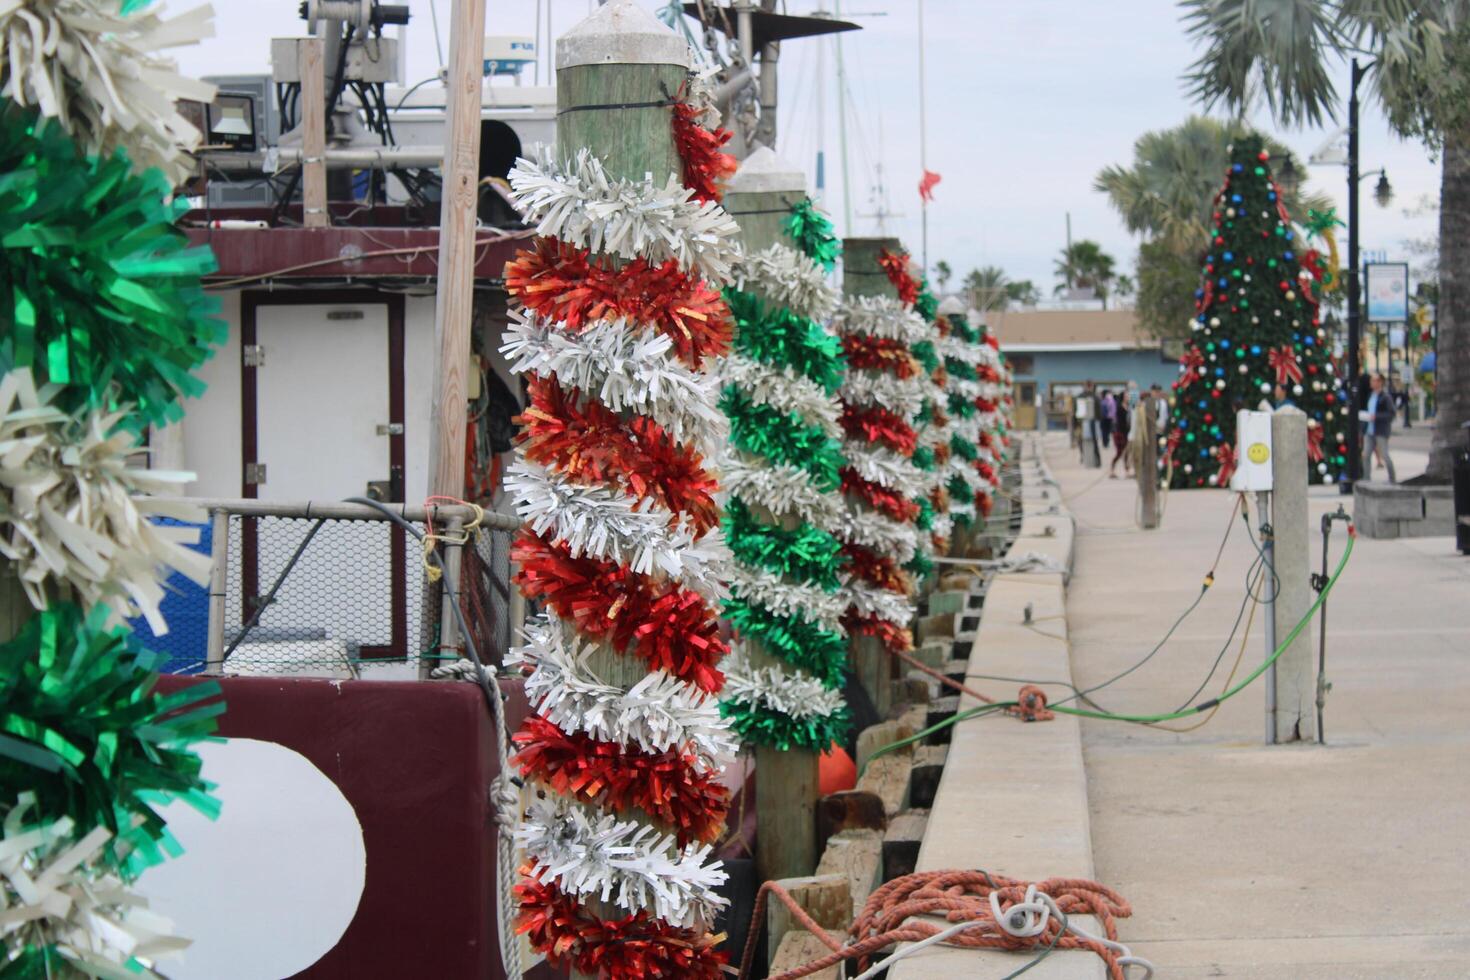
(621, 33)
(951, 305)
(763, 170)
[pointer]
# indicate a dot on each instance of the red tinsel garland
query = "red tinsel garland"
(637, 945)
(670, 627)
(562, 282)
(984, 502)
(985, 405)
(706, 168)
(986, 471)
(665, 785)
(896, 267)
(880, 498)
(877, 424)
(880, 354)
(893, 637)
(877, 570)
(579, 436)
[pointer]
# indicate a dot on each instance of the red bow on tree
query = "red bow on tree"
(1226, 455)
(1171, 444)
(1314, 443)
(1205, 300)
(1192, 363)
(1283, 359)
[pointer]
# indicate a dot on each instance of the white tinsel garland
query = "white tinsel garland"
(971, 390)
(808, 602)
(55, 894)
(585, 206)
(782, 489)
(627, 367)
(868, 600)
(592, 853)
(72, 510)
(789, 692)
(784, 390)
(657, 713)
(880, 316)
(880, 533)
(97, 71)
(603, 522)
(905, 396)
(788, 278)
(702, 96)
(952, 347)
(965, 470)
(942, 525)
(967, 429)
(883, 466)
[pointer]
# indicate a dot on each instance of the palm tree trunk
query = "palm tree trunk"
(1452, 390)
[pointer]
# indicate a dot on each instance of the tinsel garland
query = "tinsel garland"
(595, 521)
(782, 437)
(880, 533)
(635, 946)
(67, 913)
(790, 279)
(873, 424)
(581, 439)
(635, 867)
(867, 602)
(969, 353)
(72, 508)
(583, 205)
(923, 458)
(878, 570)
(804, 553)
(890, 503)
(813, 234)
(883, 466)
(706, 166)
(776, 336)
(895, 266)
(901, 395)
(963, 448)
(920, 565)
(880, 354)
(665, 785)
(93, 66)
(795, 639)
(882, 317)
(782, 389)
(85, 734)
(627, 368)
(98, 291)
(925, 519)
(784, 710)
(669, 627)
(658, 713)
(892, 635)
(782, 490)
(562, 282)
(782, 598)
(960, 406)
(924, 353)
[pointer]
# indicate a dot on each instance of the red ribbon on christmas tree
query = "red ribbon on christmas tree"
(1193, 363)
(1283, 359)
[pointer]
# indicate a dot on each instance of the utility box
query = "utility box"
(1252, 452)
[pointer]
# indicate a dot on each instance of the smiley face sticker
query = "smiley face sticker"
(1258, 452)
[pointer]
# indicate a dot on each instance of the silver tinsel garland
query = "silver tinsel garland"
(790, 279)
(904, 396)
(880, 316)
(883, 466)
(782, 489)
(784, 390)
(808, 602)
(789, 692)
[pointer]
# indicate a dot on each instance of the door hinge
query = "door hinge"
(391, 429)
(253, 355)
(255, 473)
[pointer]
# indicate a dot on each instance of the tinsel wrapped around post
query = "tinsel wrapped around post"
(618, 326)
(958, 348)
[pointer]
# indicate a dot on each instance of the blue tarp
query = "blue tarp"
(186, 610)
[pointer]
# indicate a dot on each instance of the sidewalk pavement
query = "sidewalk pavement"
(1289, 862)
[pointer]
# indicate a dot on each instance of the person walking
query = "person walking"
(1161, 407)
(1107, 419)
(1378, 422)
(1122, 424)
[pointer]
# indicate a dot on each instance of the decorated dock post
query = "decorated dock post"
(784, 685)
(616, 323)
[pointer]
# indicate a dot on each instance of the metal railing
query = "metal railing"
(320, 588)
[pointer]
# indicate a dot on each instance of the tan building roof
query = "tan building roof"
(1042, 330)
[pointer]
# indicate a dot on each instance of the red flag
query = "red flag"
(926, 185)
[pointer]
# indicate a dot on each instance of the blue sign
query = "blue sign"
(1388, 292)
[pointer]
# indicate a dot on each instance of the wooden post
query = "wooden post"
(309, 56)
(1295, 716)
(619, 55)
(863, 276)
(454, 306)
(1147, 467)
(786, 782)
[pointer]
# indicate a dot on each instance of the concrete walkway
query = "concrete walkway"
(1285, 863)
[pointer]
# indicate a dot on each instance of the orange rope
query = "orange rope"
(957, 896)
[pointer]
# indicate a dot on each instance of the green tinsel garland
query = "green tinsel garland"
(925, 520)
(797, 641)
(782, 731)
(959, 489)
(960, 369)
(963, 449)
(924, 351)
(805, 553)
(921, 564)
(923, 458)
(961, 518)
(84, 732)
(778, 337)
(960, 406)
(959, 325)
(812, 232)
(782, 437)
(927, 305)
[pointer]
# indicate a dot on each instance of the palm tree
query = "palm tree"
(1084, 264)
(988, 289)
(1417, 53)
(942, 273)
(1023, 292)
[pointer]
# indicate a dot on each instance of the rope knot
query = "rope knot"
(1031, 705)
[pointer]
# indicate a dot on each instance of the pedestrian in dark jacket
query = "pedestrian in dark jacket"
(1378, 421)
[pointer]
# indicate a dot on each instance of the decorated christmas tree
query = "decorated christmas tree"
(102, 317)
(962, 351)
(1256, 331)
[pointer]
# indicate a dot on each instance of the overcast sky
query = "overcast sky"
(1026, 102)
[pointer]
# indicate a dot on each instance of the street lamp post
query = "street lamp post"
(1354, 313)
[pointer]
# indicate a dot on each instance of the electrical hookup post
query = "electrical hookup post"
(1272, 453)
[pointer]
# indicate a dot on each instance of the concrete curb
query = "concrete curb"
(1013, 797)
